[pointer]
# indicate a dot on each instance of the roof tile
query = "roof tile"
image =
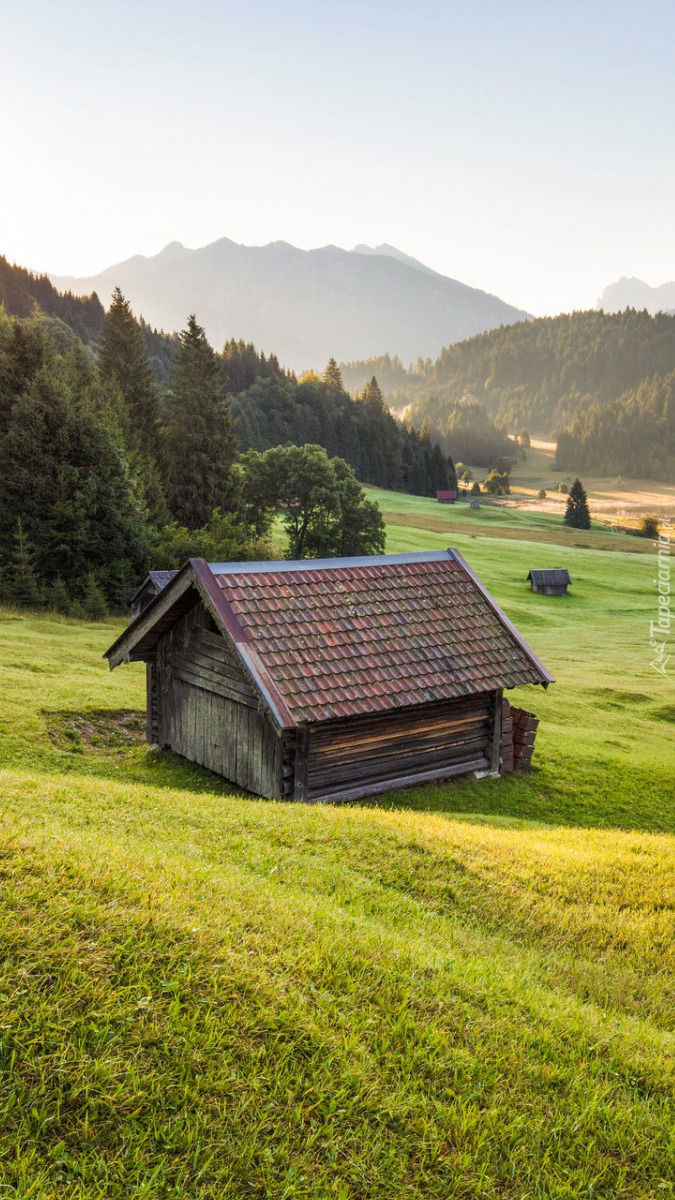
(356, 639)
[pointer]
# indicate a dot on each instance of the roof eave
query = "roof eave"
(122, 649)
(547, 677)
(197, 573)
(225, 616)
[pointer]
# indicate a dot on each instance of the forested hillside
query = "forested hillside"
(20, 291)
(134, 449)
(632, 436)
(553, 375)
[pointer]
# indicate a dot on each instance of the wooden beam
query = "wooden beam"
(122, 649)
(496, 732)
(301, 748)
(390, 785)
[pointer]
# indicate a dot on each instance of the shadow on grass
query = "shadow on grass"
(557, 790)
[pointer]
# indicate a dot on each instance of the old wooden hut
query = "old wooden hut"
(551, 582)
(446, 495)
(150, 587)
(331, 679)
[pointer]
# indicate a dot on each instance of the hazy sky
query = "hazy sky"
(524, 148)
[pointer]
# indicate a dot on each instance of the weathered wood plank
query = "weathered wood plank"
(218, 687)
(406, 748)
(222, 670)
(496, 733)
(381, 747)
(449, 709)
(374, 788)
(363, 769)
(300, 786)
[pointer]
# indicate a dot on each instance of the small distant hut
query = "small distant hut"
(151, 586)
(447, 496)
(552, 582)
(332, 679)
(474, 502)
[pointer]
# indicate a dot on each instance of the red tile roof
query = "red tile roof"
(344, 639)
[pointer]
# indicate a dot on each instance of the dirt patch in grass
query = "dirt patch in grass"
(99, 731)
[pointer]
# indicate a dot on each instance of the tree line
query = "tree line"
(634, 435)
(119, 454)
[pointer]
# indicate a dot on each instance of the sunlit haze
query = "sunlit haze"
(523, 148)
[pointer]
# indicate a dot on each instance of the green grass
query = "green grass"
(407, 513)
(462, 991)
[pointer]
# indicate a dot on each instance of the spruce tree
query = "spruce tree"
(93, 600)
(332, 377)
(199, 445)
(58, 597)
(576, 512)
(24, 586)
(63, 474)
(123, 359)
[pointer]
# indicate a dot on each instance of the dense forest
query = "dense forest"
(633, 436)
(554, 376)
(132, 449)
(21, 291)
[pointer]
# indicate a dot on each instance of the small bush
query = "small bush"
(648, 527)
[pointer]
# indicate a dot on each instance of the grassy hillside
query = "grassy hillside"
(464, 991)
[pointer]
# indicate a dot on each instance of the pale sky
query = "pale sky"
(525, 147)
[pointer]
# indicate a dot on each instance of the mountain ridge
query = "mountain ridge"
(306, 305)
(630, 292)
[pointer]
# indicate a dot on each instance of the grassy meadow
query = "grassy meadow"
(615, 501)
(463, 991)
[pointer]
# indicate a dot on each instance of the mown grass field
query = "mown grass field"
(462, 991)
(612, 500)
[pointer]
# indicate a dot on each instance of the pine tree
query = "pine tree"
(332, 377)
(123, 359)
(199, 446)
(93, 600)
(576, 512)
(58, 598)
(63, 473)
(24, 588)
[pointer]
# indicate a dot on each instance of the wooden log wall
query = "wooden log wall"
(208, 711)
(152, 711)
(364, 755)
(519, 730)
(507, 738)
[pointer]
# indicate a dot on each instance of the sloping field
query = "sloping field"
(464, 991)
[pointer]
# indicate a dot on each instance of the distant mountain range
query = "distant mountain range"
(304, 305)
(633, 293)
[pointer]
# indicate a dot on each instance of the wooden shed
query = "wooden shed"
(446, 496)
(552, 582)
(150, 587)
(330, 679)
